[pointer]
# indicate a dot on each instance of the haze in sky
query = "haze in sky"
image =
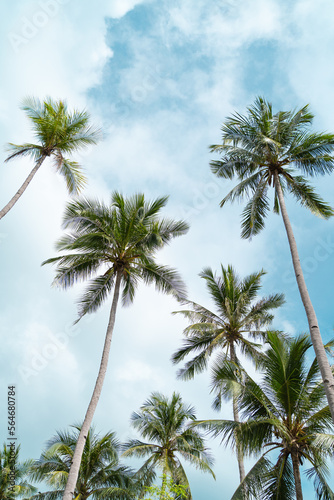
(158, 77)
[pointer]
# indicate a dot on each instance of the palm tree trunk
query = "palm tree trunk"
(296, 473)
(76, 461)
(236, 418)
(318, 346)
(24, 186)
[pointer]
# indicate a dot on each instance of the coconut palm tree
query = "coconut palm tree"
(58, 133)
(114, 246)
(285, 417)
(165, 423)
(14, 474)
(238, 316)
(101, 475)
(264, 150)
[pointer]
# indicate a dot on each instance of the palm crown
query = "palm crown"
(121, 238)
(100, 474)
(166, 424)
(14, 474)
(237, 314)
(286, 412)
(58, 133)
(260, 145)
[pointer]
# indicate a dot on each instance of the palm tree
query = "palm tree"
(118, 241)
(284, 413)
(237, 315)
(13, 474)
(165, 423)
(58, 132)
(264, 149)
(100, 475)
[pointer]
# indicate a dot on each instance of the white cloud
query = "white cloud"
(134, 371)
(166, 110)
(46, 355)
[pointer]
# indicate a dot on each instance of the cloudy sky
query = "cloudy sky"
(159, 77)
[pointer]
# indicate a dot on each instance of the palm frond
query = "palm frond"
(96, 292)
(307, 196)
(72, 171)
(255, 212)
(252, 485)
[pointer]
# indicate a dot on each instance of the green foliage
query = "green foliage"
(58, 133)
(168, 491)
(122, 237)
(260, 145)
(14, 474)
(285, 414)
(236, 314)
(101, 475)
(165, 423)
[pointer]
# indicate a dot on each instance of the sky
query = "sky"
(158, 77)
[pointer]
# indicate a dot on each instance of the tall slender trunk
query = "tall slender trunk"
(76, 461)
(296, 473)
(24, 186)
(318, 345)
(240, 457)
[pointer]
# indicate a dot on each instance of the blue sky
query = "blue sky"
(159, 77)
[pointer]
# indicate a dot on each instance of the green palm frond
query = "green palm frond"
(198, 337)
(72, 172)
(48, 495)
(254, 214)
(226, 380)
(96, 293)
(164, 278)
(307, 196)
(33, 150)
(312, 153)
(324, 442)
(74, 268)
(137, 448)
(243, 189)
(196, 365)
(279, 481)
(225, 429)
(320, 474)
(252, 486)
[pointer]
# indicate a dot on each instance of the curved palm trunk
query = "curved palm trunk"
(296, 474)
(24, 186)
(76, 461)
(240, 457)
(318, 346)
